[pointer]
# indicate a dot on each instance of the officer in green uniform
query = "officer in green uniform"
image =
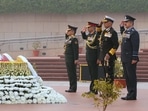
(92, 51)
(129, 55)
(108, 46)
(71, 57)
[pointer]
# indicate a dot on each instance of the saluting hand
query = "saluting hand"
(66, 31)
(84, 29)
(122, 24)
(100, 24)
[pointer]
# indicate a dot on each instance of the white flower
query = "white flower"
(1, 81)
(30, 95)
(21, 93)
(26, 96)
(34, 91)
(16, 88)
(15, 93)
(40, 100)
(3, 98)
(11, 81)
(6, 81)
(27, 89)
(39, 80)
(23, 98)
(1, 93)
(34, 101)
(6, 93)
(12, 98)
(7, 102)
(29, 101)
(7, 97)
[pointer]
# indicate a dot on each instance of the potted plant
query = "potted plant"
(118, 73)
(36, 45)
(107, 94)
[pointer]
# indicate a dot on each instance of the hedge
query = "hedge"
(72, 6)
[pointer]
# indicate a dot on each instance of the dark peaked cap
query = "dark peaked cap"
(129, 18)
(72, 28)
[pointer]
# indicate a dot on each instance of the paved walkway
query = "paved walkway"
(78, 103)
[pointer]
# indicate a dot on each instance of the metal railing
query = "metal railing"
(4, 43)
(31, 39)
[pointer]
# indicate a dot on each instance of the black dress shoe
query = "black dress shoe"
(70, 91)
(128, 98)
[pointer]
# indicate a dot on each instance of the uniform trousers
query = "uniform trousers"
(72, 76)
(91, 58)
(131, 79)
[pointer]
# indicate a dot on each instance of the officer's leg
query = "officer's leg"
(73, 77)
(132, 80)
(110, 71)
(71, 69)
(90, 69)
(126, 76)
(94, 74)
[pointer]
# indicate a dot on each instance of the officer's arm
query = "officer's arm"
(115, 42)
(135, 45)
(75, 46)
(122, 29)
(66, 36)
(99, 27)
(84, 36)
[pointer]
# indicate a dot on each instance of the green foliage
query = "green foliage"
(36, 45)
(72, 6)
(118, 69)
(108, 93)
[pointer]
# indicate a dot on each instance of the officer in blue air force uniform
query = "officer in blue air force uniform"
(92, 52)
(108, 46)
(129, 55)
(71, 57)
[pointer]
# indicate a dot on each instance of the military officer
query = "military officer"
(108, 46)
(129, 55)
(71, 57)
(92, 51)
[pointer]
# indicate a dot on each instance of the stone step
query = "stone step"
(139, 67)
(55, 78)
(51, 66)
(142, 72)
(142, 79)
(142, 75)
(54, 68)
(144, 50)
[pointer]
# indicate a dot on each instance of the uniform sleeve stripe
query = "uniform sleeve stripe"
(112, 51)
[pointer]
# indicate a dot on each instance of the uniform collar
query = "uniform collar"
(108, 29)
(71, 36)
(129, 28)
(92, 33)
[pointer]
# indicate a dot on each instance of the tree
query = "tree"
(107, 93)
